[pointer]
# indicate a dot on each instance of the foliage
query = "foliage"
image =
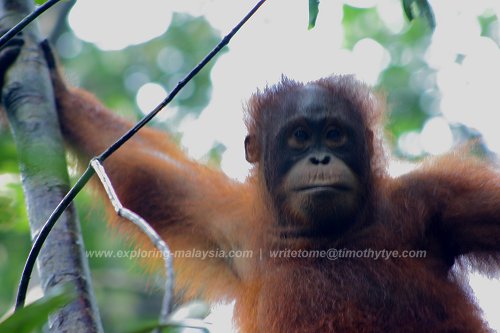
(413, 9)
(313, 12)
(189, 316)
(419, 8)
(407, 111)
(116, 76)
(34, 316)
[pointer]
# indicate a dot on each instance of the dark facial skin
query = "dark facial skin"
(313, 160)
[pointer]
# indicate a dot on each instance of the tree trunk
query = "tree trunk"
(29, 103)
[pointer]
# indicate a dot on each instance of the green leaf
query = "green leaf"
(407, 7)
(35, 315)
(189, 315)
(40, 2)
(175, 326)
(419, 9)
(313, 13)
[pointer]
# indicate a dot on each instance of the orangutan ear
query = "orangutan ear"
(251, 149)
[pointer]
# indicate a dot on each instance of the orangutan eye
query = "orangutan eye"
(301, 135)
(299, 138)
(336, 137)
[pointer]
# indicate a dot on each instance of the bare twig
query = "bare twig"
(146, 228)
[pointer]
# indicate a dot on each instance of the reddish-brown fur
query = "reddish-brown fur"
(450, 207)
